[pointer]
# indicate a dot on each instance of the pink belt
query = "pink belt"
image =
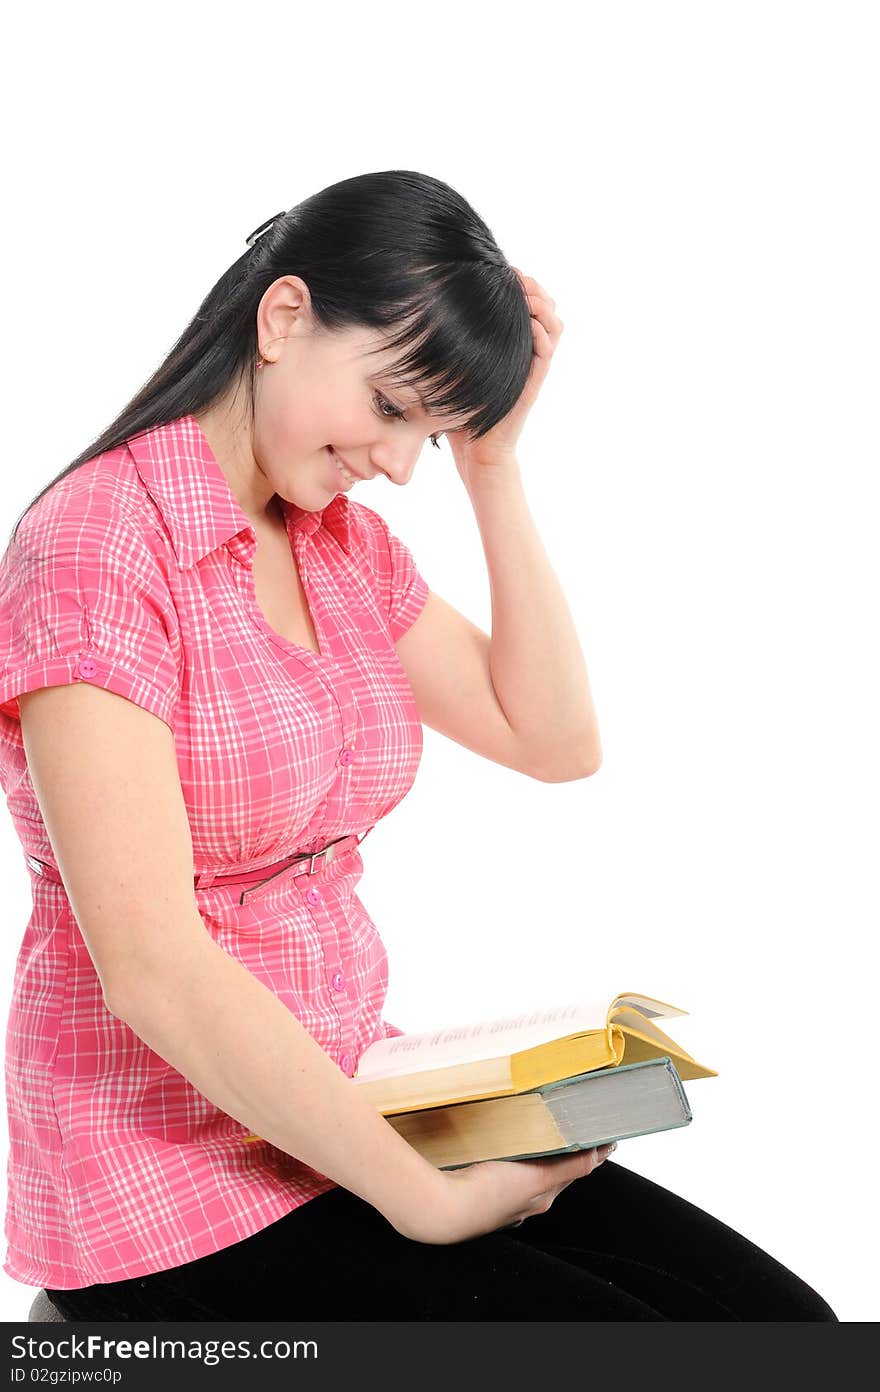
(255, 878)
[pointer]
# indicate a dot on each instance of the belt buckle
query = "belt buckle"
(326, 851)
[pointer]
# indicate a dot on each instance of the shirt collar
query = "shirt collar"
(180, 472)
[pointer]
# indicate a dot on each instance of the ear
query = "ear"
(284, 310)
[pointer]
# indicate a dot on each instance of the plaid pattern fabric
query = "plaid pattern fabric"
(134, 573)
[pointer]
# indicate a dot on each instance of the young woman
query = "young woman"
(216, 665)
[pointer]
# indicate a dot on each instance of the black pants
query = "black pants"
(612, 1246)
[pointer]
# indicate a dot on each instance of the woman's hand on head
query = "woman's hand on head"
(500, 443)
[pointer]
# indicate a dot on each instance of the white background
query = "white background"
(696, 186)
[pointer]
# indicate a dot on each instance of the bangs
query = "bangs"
(466, 354)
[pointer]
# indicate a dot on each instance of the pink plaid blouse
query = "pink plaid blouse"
(134, 572)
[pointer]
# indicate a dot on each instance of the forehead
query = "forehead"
(371, 348)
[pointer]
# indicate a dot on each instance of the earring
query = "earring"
(259, 362)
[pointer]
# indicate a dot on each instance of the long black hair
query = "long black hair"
(396, 251)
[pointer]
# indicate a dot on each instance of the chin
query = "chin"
(311, 504)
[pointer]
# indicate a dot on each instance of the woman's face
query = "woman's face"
(320, 394)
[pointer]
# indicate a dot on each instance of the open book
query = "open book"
(499, 1058)
(519, 1054)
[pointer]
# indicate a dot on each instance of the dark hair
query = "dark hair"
(396, 251)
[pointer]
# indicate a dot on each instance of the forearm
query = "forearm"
(235, 1041)
(536, 663)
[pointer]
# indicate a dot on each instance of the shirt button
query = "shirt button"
(346, 757)
(87, 667)
(345, 1064)
(314, 896)
(338, 981)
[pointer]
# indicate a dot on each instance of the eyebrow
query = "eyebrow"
(387, 377)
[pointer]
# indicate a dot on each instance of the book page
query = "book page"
(647, 1005)
(410, 1053)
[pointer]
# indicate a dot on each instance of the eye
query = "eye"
(396, 414)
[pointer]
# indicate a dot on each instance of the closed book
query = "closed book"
(611, 1104)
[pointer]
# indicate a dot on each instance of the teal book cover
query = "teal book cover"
(606, 1105)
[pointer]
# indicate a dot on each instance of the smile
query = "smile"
(348, 474)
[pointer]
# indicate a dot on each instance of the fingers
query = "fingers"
(589, 1160)
(546, 324)
(597, 1154)
(530, 285)
(534, 289)
(585, 1161)
(562, 1170)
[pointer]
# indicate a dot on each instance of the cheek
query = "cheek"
(293, 422)
(346, 426)
(301, 412)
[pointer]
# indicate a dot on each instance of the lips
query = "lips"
(362, 478)
(340, 460)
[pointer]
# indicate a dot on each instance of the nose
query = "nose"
(399, 465)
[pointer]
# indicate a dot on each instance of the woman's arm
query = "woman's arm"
(522, 697)
(535, 658)
(219, 1026)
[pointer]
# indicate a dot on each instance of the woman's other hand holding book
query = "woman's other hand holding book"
(481, 1198)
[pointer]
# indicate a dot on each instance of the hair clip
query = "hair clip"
(264, 227)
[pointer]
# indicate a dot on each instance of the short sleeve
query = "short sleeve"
(403, 589)
(101, 613)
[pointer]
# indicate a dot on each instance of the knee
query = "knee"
(821, 1310)
(807, 1304)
